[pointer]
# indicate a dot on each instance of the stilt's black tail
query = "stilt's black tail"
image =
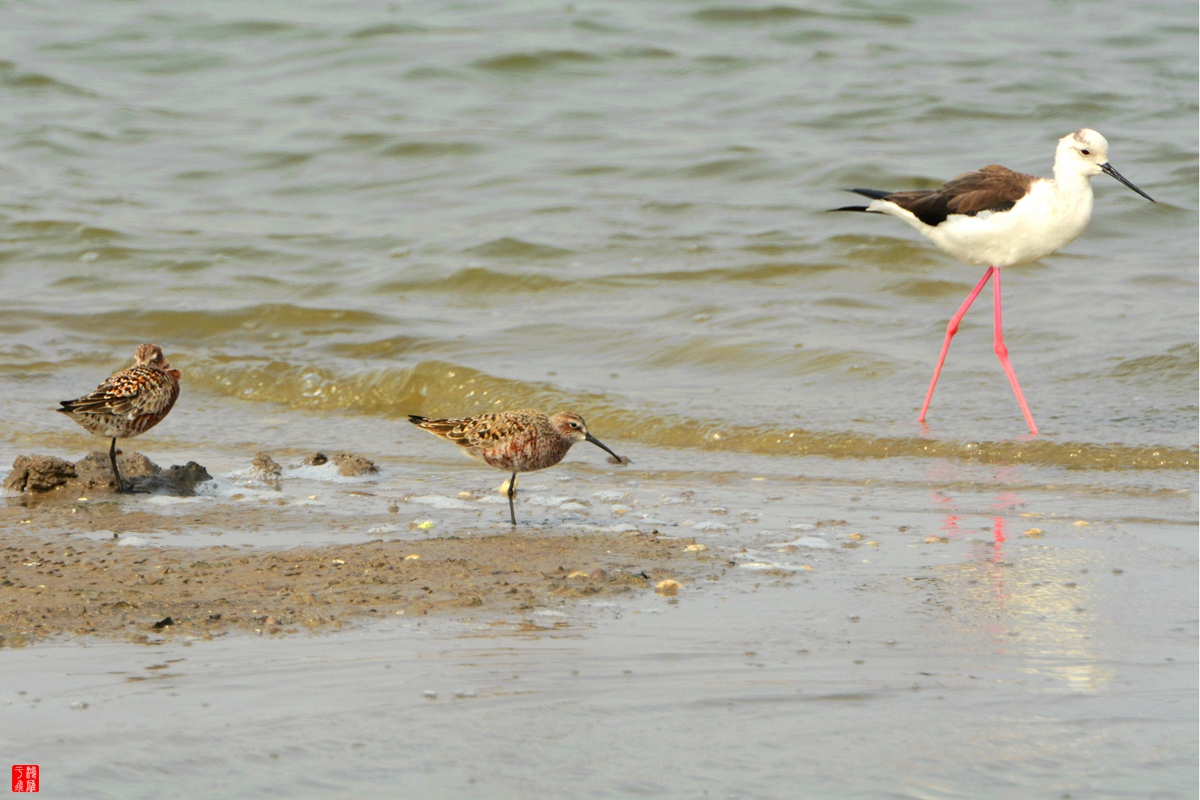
(874, 194)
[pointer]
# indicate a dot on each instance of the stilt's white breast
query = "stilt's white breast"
(1045, 220)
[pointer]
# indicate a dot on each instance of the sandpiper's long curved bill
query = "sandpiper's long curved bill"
(604, 447)
(1109, 169)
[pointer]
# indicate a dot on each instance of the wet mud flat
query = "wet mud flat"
(71, 585)
(72, 564)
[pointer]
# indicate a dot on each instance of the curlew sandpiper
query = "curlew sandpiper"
(129, 402)
(524, 440)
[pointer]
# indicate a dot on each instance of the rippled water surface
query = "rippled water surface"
(332, 215)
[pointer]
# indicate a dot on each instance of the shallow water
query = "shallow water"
(333, 215)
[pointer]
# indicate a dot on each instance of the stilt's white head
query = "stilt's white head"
(1085, 153)
(1081, 153)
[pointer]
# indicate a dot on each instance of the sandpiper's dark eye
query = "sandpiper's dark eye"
(1086, 152)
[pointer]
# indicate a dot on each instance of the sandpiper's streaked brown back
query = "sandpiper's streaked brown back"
(129, 402)
(523, 440)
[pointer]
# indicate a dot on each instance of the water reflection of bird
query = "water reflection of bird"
(998, 218)
(514, 441)
(129, 402)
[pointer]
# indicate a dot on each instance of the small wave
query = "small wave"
(249, 28)
(738, 168)
(36, 83)
(54, 230)
(749, 273)
(267, 321)
(537, 61)
(478, 281)
(644, 52)
(724, 356)
(753, 15)
(173, 62)
(388, 348)
(442, 388)
(928, 289)
(420, 149)
(386, 29)
(279, 160)
(508, 247)
(759, 15)
(1181, 362)
(391, 146)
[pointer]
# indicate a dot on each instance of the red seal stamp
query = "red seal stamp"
(26, 777)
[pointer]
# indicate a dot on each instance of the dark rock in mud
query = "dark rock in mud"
(177, 480)
(94, 471)
(352, 465)
(93, 474)
(39, 473)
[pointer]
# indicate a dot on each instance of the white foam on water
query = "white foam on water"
(811, 542)
(174, 500)
(439, 501)
(225, 489)
(765, 565)
(327, 472)
(549, 501)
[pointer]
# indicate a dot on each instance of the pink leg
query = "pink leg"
(952, 329)
(1002, 353)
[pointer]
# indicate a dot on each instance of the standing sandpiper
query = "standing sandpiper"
(130, 402)
(514, 441)
(997, 218)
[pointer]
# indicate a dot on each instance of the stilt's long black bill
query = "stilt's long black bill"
(1111, 171)
(603, 447)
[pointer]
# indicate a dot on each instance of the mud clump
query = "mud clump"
(351, 465)
(177, 480)
(95, 471)
(264, 468)
(39, 475)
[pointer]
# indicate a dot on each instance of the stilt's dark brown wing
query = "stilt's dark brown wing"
(993, 188)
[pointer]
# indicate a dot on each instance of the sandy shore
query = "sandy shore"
(77, 586)
(75, 565)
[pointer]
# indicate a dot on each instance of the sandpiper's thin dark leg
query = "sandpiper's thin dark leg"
(112, 456)
(512, 492)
